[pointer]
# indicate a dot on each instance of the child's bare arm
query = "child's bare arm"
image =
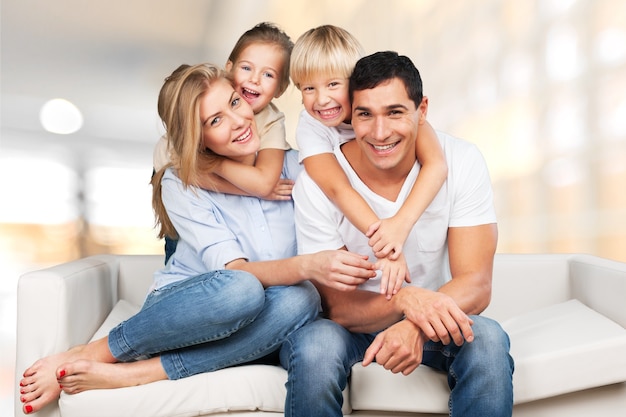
(393, 274)
(259, 180)
(328, 175)
(388, 236)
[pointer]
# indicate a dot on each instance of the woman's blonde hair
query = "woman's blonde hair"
(179, 110)
(324, 50)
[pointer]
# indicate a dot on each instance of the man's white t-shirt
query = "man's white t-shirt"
(465, 199)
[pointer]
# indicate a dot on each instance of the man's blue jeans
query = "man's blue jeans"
(319, 356)
(213, 321)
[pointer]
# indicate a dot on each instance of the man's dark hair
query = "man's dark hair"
(379, 67)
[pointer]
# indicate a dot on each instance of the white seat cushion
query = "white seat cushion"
(250, 387)
(564, 348)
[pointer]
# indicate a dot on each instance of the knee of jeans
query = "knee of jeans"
(307, 299)
(319, 343)
(492, 341)
(248, 288)
(489, 331)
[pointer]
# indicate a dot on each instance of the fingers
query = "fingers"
(372, 351)
(372, 229)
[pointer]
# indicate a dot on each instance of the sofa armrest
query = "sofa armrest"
(600, 284)
(60, 307)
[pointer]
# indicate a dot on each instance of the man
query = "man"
(433, 321)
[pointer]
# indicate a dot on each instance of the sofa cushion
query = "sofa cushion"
(558, 349)
(241, 388)
(564, 348)
(375, 388)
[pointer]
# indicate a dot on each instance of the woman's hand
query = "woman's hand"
(338, 269)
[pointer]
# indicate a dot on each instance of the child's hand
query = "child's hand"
(395, 272)
(387, 237)
(282, 190)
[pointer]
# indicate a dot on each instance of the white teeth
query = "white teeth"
(328, 112)
(250, 92)
(245, 136)
(384, 147)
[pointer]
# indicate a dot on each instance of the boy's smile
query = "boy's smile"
(326, 99)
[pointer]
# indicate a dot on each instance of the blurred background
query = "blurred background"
(538, 85)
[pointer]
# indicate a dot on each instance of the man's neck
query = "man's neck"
(385, 182)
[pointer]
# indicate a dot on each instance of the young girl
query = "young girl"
(321, 63)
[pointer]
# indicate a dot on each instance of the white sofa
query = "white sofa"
(565, 314)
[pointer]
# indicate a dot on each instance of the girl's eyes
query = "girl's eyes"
(235, 102)
(215, 121)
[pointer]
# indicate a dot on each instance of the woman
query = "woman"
(234, 289)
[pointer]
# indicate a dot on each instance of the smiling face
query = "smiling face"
(228, 126)
(256, 73)
(326, 99)
(386, 122)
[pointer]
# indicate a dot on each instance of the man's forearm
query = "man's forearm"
(359, 311)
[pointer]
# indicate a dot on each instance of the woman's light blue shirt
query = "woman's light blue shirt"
(215, 228)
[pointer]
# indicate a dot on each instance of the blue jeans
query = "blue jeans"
(213, 321)
(319, 356)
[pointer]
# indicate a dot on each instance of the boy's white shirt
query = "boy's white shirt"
(314, 138)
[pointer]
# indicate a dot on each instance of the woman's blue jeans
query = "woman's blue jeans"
(319, 357)
(213, 321)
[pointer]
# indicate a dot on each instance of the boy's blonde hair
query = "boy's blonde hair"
(270, 34)
(324, 50)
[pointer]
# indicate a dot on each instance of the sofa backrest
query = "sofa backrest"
(135, 276)
(526, 282)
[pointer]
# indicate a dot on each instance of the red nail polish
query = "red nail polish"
(22, 384)
(22, 391)
(22, 399)
(28, 409)
(61, 386)
(62, 373)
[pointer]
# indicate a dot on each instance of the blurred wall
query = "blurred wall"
(539, 86)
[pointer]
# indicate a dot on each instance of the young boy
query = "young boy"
(321, 63)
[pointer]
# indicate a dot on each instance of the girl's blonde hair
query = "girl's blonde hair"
(179, 110)
(270, 34)
(324, 50)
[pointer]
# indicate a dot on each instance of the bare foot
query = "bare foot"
(83, 375)
(40, 385)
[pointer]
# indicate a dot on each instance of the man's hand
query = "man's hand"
(436, 314)
(399, 348)
(339, 269)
